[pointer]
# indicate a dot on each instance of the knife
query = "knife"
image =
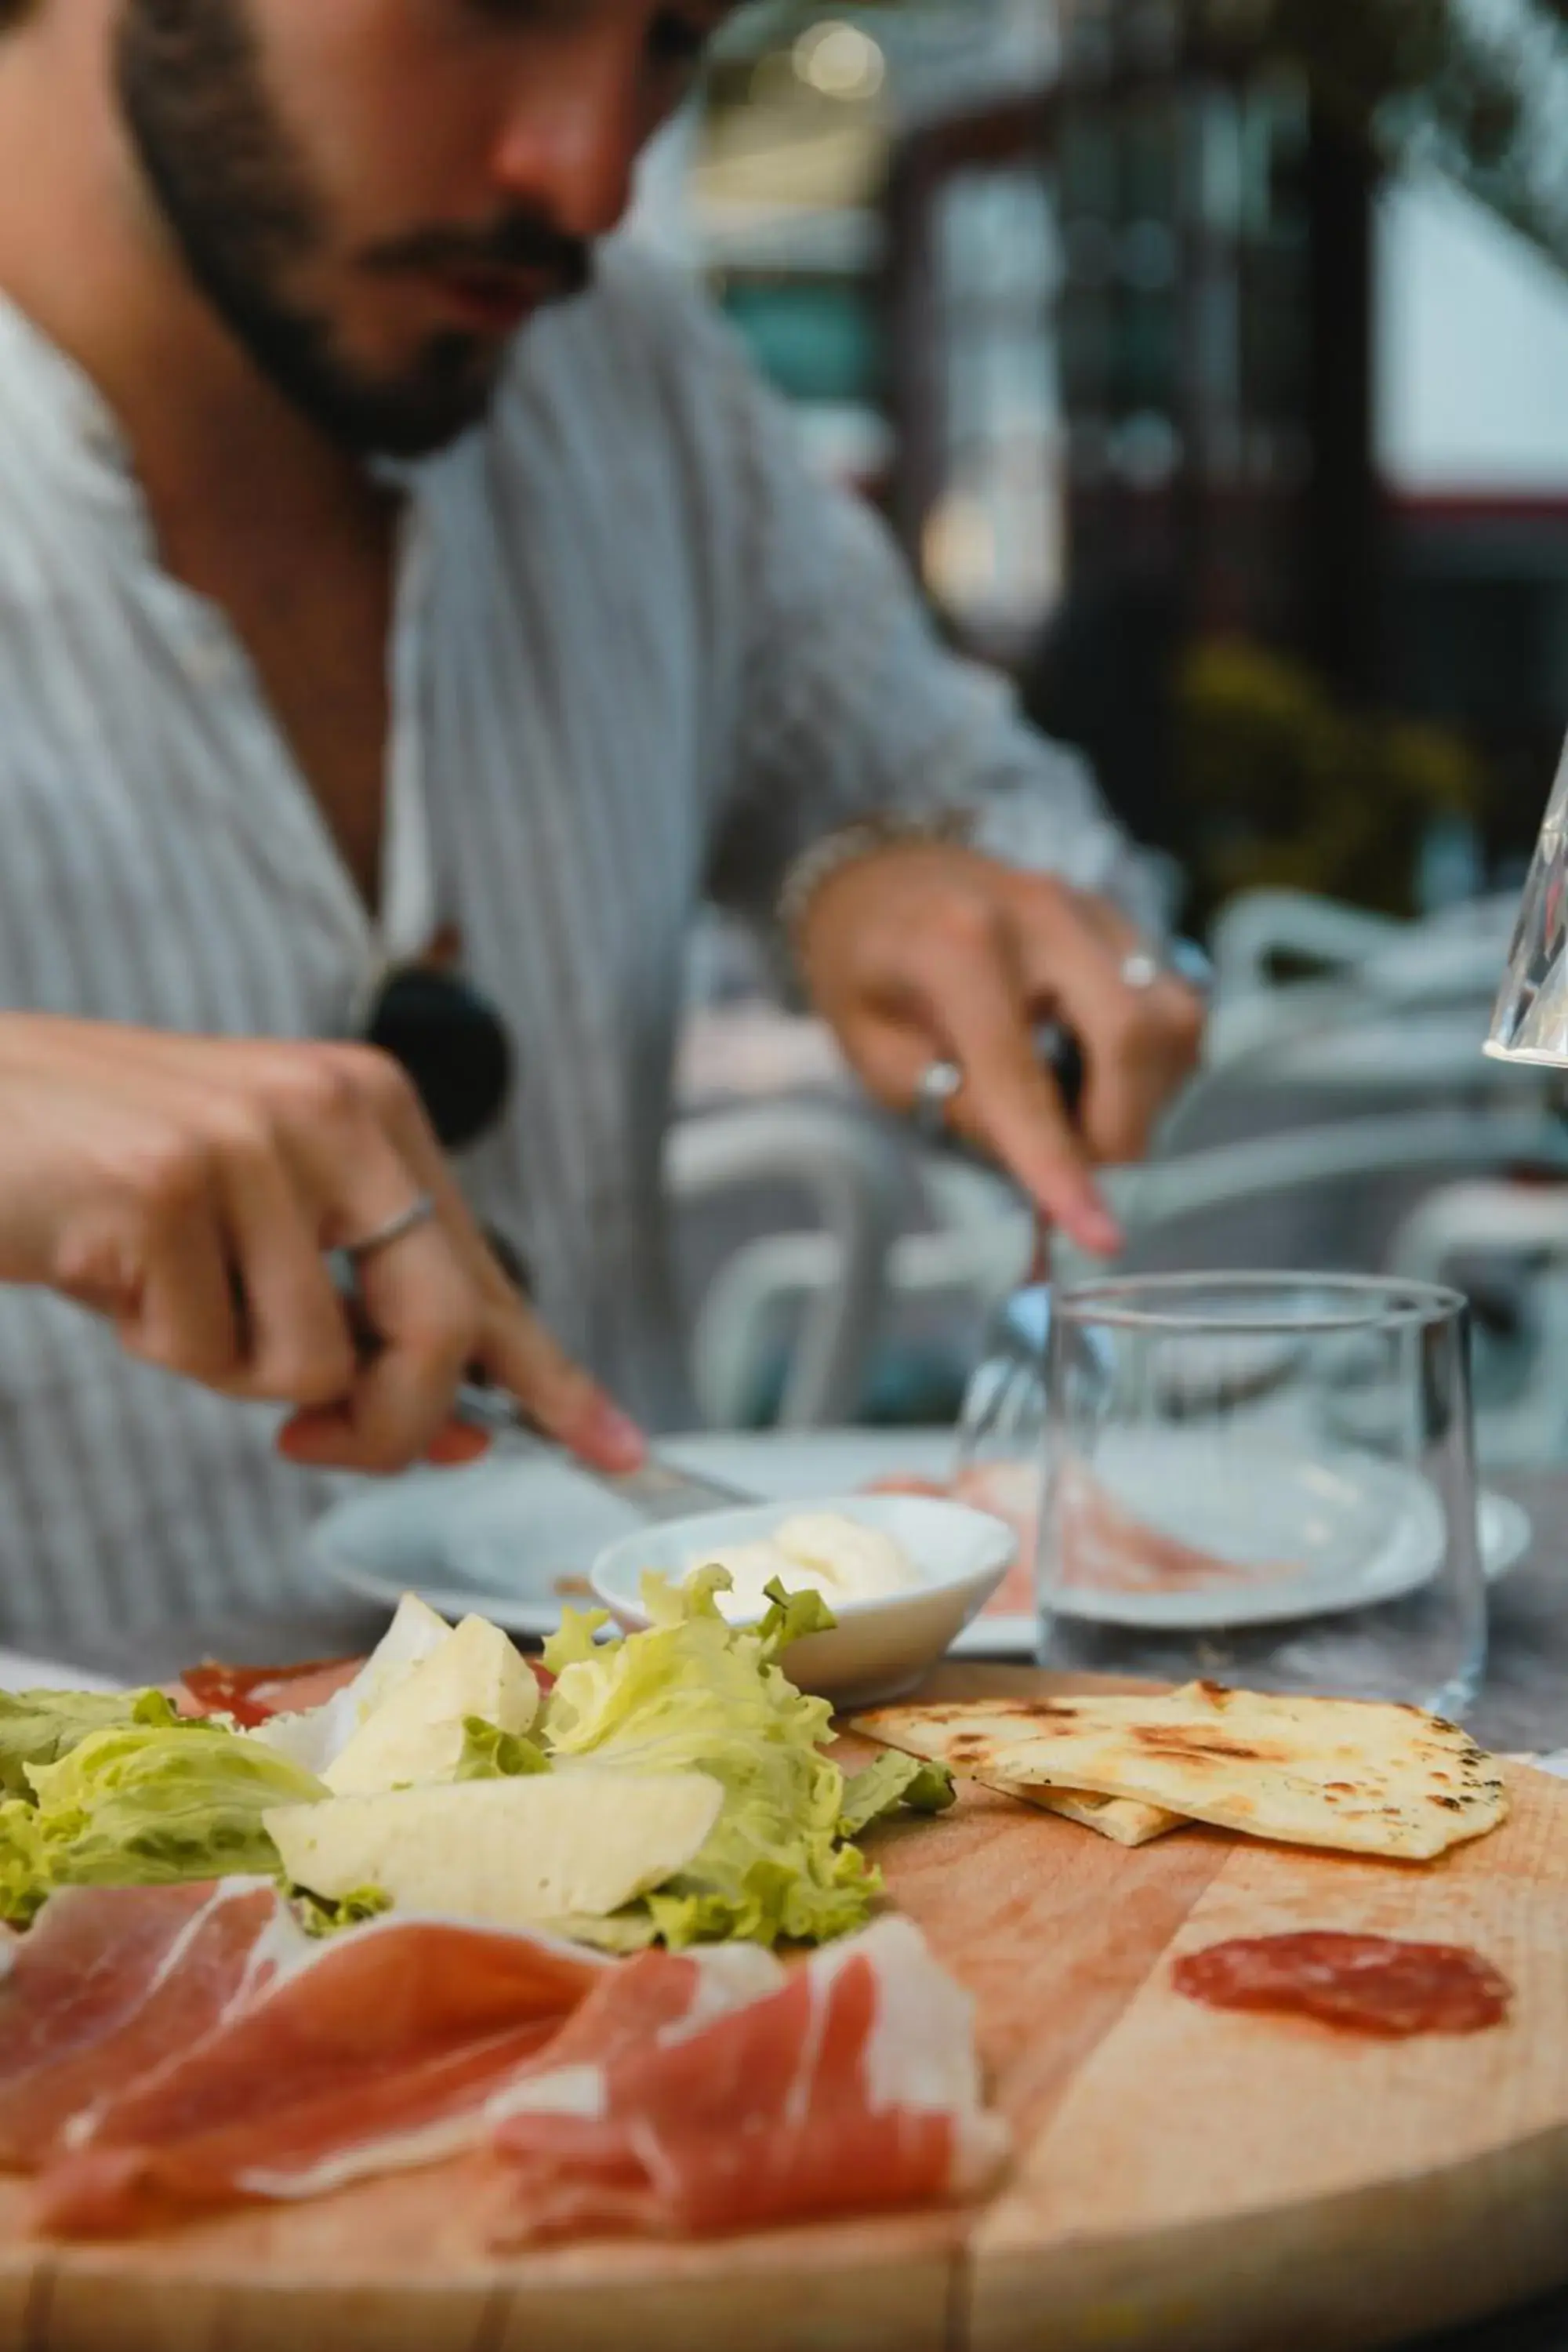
(657, 1490)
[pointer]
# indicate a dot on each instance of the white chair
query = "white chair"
(1389, 1032)
(1518, 1235)
(850, 1169)
(1259, 929)
(1388, 1006)
(1156, 1201)
(795, 1282)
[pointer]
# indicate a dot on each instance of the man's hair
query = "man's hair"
(12, 13)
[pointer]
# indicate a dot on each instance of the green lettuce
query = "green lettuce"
(143, 1804)
(491, 1754)
(24, 1871)
(41, 1727)
(889, 1781)
(320, 1916)
(694, 1693)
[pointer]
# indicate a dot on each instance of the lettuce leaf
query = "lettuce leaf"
(893, 1781)
(695, 1693)
(24, 1874)
(40, 1726)
(143, 1804)
(319, 1916)
(491, 1754)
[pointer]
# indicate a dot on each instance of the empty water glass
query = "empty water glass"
(1265, 1480)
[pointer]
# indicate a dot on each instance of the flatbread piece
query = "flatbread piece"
(1124, 1820)
(1353, 1775)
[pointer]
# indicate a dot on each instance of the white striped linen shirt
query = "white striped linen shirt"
(641, 656)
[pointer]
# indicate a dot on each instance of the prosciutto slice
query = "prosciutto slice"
(850, 2084)
(110, 1984)
(186, 2048)
(372, 2050)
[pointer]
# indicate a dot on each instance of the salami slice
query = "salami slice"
(1366, 1984)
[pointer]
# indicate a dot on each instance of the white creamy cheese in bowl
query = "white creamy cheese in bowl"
(811, 1551)
(903, 1574)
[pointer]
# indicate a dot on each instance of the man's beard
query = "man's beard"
(239, 202)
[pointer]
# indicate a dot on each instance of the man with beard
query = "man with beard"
(370, 667)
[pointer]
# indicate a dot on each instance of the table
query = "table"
(1524, 1706)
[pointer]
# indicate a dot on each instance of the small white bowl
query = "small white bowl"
(878, 1649)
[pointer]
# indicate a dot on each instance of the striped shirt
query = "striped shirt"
(641, 657)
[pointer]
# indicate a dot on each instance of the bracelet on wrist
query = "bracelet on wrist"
(886, 829)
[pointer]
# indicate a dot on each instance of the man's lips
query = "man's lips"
(491, 301)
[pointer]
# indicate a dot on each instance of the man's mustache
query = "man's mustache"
(521, 243)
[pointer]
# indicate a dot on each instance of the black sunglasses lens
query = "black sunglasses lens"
(454, 1048)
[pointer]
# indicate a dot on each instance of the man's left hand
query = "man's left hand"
(926, 950)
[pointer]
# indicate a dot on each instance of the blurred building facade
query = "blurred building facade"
(1248, 459)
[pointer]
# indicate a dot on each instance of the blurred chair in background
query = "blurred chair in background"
(847, 1164)
(1345, 1118)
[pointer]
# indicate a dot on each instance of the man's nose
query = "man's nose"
(570, 140)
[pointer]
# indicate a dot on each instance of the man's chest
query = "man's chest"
(168, 857)
(309, 600)
(319, 659)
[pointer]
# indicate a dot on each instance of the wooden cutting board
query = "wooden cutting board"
(1185, 2179)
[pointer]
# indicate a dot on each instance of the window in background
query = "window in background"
(991, 545)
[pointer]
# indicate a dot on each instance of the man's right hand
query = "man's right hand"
(187, 1189)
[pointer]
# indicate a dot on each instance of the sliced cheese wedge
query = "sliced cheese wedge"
(504, 1853)
(1355, 1775)
(416, 1734)
(316, 1737)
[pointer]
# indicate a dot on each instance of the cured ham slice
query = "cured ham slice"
(851, 2085)
(375, 2050)
(235, 2059)
(441, 2106)
(253, 1695)
(110, 1983)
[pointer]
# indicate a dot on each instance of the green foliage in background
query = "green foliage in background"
(1285, 789)
(1477, 86)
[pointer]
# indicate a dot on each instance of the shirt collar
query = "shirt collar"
(55, 405)
(67, 422)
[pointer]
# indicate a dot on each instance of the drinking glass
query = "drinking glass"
(1530, 1023)
(1265, 1480)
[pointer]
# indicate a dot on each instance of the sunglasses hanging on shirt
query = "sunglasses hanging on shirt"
(451, 1042)
(453, 1047)
(448, 1038)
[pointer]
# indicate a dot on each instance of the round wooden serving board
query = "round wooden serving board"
(1185, 2179)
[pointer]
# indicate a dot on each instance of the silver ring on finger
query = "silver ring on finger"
(935, 1088)
(419, 1211)
(1141, 971)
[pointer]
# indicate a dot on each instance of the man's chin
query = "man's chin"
(415, 416)
(450, 388)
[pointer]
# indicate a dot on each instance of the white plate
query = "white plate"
(515, 1539)
(1504, 1527)
(20, 1672)
(1288, 1534)
(880, 1647)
